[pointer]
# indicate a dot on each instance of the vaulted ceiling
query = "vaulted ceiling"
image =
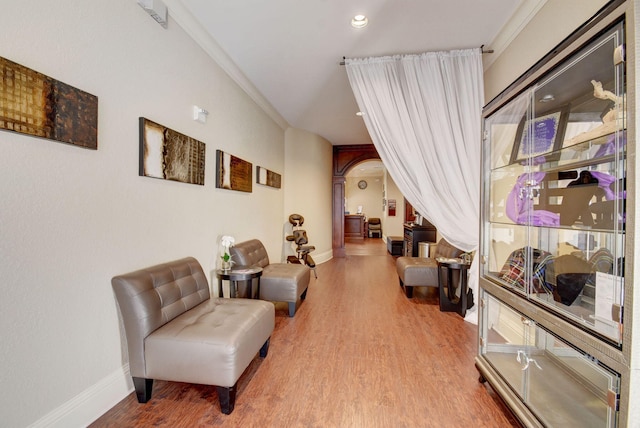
(286, 53)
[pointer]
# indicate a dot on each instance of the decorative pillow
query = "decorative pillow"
(513, 270)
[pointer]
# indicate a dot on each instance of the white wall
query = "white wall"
(308, 184)
(72, 218)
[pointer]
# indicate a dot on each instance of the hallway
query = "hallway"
(358, 353)
(365, 247)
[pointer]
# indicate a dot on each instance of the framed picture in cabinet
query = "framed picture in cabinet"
(541, 135)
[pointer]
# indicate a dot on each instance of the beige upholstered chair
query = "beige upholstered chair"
(175, 332)
(421, 271)
(374, 227)
(280, 282)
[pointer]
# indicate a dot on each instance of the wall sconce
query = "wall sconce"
(156, 9)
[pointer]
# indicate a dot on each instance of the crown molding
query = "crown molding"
(179, 13)
(520, 18)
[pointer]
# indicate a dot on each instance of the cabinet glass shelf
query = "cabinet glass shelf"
(564, 386)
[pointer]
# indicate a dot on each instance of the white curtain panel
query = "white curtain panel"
(423, 113)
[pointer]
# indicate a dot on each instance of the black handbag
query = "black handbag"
(569, 286)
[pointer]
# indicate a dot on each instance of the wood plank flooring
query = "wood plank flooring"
(358, 353)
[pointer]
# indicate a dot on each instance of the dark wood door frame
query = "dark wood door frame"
(345, 158)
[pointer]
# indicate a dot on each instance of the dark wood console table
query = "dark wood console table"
(354, 226)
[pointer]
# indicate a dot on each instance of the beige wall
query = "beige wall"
(308, 183)
(393, 226)
(556, 20)
(370, 198)
(72, 218)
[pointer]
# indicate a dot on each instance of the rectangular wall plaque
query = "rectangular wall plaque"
(233, 173)
(268, 178)
(34, 104)
(167, 154)
(392, 207)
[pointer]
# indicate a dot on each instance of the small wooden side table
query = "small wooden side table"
(237, 274)
(452, 272)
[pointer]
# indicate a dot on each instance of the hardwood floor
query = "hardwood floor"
(358, 353)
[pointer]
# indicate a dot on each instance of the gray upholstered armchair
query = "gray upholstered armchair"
(176, 332)
(280, 282)
(421, 271)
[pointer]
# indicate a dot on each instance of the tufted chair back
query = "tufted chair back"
(444, 249)
(249, 253)
(151, 297)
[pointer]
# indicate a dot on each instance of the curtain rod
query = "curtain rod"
(488, 51)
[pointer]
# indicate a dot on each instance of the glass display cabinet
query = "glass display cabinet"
(553, 234)
(562, 385)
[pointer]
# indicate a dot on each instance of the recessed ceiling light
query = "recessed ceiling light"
(359, 21)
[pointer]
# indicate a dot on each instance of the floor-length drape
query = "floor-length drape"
(423, 113)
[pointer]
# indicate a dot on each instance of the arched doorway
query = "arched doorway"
(344, 158)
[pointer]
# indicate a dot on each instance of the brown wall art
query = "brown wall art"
(167, 154)
(268, 178)
(34, 104)
(233, 173)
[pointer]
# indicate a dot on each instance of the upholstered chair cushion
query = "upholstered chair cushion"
(423, 271)
(280, 282)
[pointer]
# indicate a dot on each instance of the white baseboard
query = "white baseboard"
(322, 257)
(90, 404)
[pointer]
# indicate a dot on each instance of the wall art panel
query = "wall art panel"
(170, 155)
(34, 104)
(233, 173)
(268, 178)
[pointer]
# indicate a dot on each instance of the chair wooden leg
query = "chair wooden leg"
(227, 398)
(143, 388)
(292, 309)
(408, 291)
(265, 349)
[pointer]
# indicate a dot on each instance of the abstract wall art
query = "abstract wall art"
(170, 155)
(268, 178)
(34, 104)
(233, 173)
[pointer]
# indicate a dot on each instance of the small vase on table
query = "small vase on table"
(226, 242)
